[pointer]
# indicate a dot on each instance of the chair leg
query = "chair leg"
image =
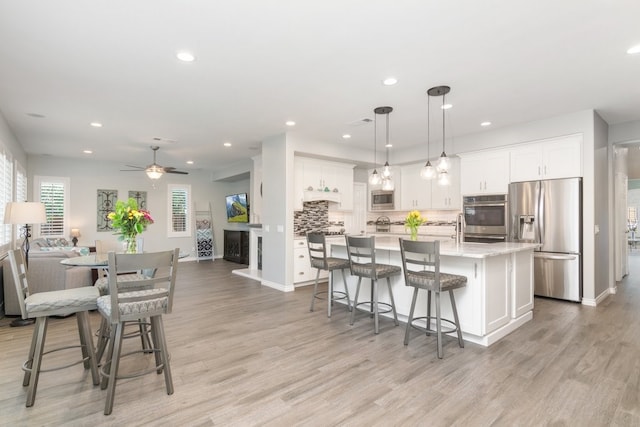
(455, 317)
(393, 303)
(103, 339)
(156, 348)
(374, 304)
(116, 343)
(40, 331)
(355, 302)
(108, 357)
(315, 290)
(438, 326)
(329, 293)
(29, 362)
(346, 289)
(85, 331)
(83, 344)
(429, 313)
(156, 324)
(410, 319)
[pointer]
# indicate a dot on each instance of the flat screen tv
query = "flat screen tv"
(237, 208)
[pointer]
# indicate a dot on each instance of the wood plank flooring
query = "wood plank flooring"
(243, 354)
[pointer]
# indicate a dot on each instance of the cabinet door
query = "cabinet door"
(497, 292)
(312, 175)
(485, 172)
(343, 181)
(415, 193)
(447, 197)
(298, 184)
(522, 284)
(562, 157)
(526, 163)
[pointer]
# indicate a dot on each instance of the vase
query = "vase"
(414, 233)
(131, 247)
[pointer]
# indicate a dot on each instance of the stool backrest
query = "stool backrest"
(362, 256)
(420, 256)
(316, 243)
(19, 272)
(164, 264)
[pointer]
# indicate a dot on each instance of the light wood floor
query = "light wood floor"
(243, 354)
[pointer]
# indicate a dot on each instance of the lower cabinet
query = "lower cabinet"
(236, 246)
(302, 270)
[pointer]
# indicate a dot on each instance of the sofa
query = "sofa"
(45, 273)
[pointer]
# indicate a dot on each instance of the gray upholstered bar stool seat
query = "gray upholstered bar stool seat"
(362, 260)
(41, 306)
(421, 265)
(316, 243)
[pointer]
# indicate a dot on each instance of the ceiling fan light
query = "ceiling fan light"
(154, 172)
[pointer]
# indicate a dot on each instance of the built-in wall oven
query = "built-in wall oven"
(485, 218)
(382, 200)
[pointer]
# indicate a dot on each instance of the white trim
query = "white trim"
(592, 302)
(66, 182)
(189, 213)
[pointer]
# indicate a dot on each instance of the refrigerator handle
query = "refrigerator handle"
(540, 212)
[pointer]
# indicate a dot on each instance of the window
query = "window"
(21, 183)
(6, 195)
(179, 211)
(54, 193)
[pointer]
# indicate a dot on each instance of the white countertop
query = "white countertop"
(466, 249)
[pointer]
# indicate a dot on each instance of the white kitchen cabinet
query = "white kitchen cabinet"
(549, 159)
(447, 197)
(318, 175)
(484, 172)
(521, 284)
(302, 270)
(415, 193)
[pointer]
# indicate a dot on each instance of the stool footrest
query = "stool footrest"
(337, 295)
(446, 329)
(387, 308)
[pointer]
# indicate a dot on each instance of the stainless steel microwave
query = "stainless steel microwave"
(382, 200)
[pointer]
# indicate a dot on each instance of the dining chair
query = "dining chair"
(41, 306)
(317, 246)
(421, 266)
(134, 301)
(362, 260)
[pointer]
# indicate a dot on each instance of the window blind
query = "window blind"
(52, 194)
(179, 199)
(6, 195)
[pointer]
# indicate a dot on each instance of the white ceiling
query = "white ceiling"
(260, 63)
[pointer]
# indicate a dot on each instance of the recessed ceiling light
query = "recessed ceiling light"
(634, 49)
(87, 151)
(346, 136)
(185, 56)
(227, 144)
(189, 162)
(389, 145)
(390, 81)
(485, 124)
(446, 106)
(36, 115)
(96, 124)
(290, 123)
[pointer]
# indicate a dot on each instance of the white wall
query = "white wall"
(9, 141)
(89, 175)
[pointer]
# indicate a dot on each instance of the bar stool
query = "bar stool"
(41, 306)
(316, 243)
(421, 265)
(362, 260)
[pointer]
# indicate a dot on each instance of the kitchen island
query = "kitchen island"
(498, 297)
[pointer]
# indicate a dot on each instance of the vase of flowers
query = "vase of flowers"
(129, 221)
(412, 222)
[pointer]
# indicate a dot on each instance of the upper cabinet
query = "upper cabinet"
(485, 172)
(314, 177)
(416, 193)
(549, 159)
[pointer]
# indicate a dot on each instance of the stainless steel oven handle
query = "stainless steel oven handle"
(473, 205)
(486, 236)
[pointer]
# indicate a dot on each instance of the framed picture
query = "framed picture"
(140, 197)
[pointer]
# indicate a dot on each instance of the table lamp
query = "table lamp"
(75, 233)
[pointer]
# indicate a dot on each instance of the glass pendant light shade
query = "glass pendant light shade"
(444, 163)
(428, 171)
(374, 178)
(443, 178)
(386, 170)
(387, 184)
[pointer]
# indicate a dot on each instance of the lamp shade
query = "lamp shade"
(25, 213)
(75, 232)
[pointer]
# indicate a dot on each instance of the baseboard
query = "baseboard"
(278, 286)
(592, 302)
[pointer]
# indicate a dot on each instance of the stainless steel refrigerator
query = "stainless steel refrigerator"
(549, 212)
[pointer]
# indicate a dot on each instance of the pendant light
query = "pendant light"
(374, 178)
(444, 163)
(387, 179)
(428, 171)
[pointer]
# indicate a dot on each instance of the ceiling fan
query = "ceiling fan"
(154, 170)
